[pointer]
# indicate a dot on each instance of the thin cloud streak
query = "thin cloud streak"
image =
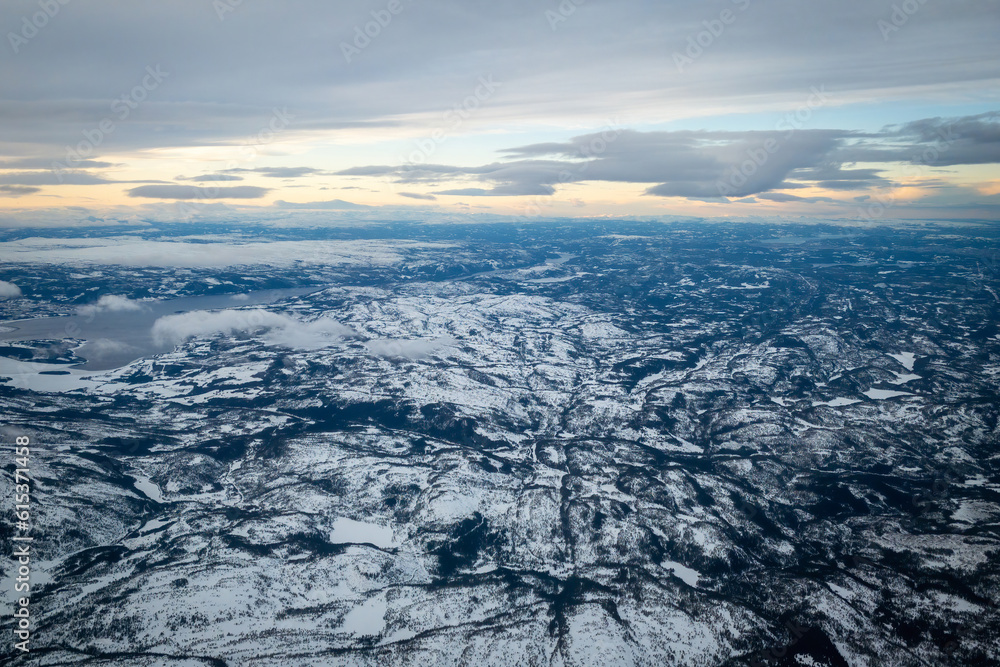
(194, 192)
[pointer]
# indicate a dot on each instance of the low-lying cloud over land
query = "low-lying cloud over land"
(9, 290)
(281, 329)
(408, 348)
(111, 303)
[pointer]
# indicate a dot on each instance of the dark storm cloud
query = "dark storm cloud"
(194, 192)
(228, 71)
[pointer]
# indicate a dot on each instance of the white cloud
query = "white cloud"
(308, 335)
(9, 290)
(408, 349)
(282, 329)
(110, 303)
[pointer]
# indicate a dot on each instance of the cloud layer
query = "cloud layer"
(236, 98)
(222, 85)
(715, 164)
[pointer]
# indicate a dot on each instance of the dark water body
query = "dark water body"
(115, 338)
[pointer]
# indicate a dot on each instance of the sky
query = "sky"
(865, 110)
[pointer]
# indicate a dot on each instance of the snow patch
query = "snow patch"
(367, 619)
(683, 572)
(147, 488)
(349, 531)
(905, 358)
(837, 402)
(881, 394)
